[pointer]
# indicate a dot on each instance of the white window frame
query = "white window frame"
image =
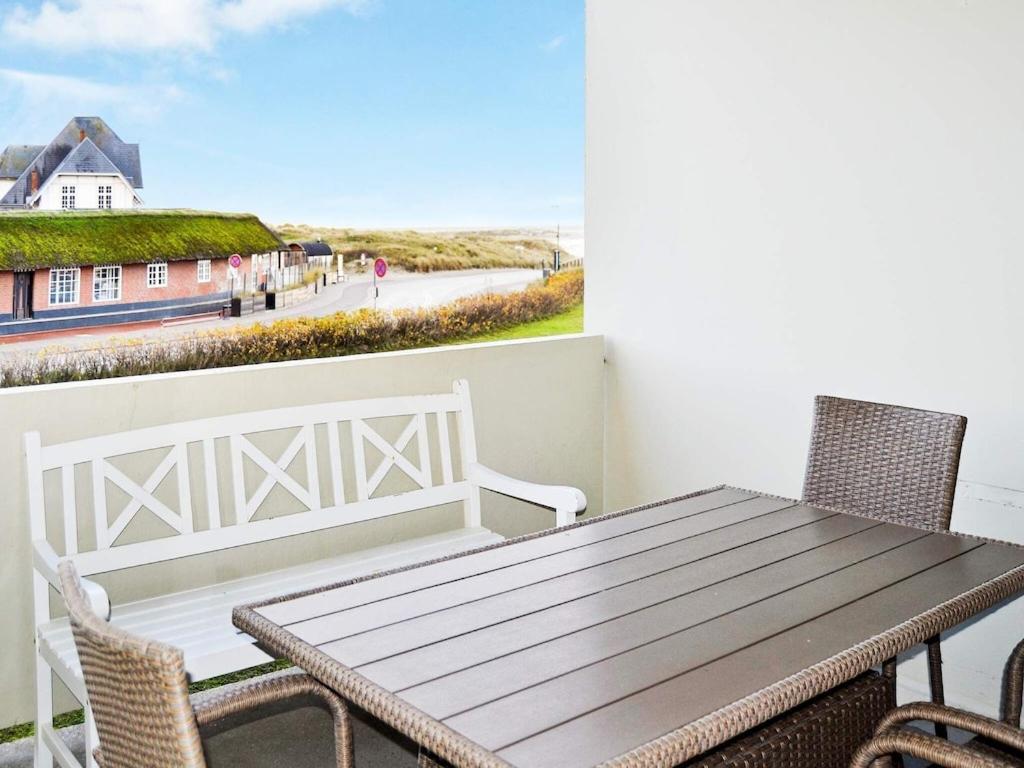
(105, 197)
(66, 297)
(100, 286)
(204, 271)
(67, 197)
(156, 274)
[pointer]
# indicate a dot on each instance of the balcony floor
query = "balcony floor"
(294, 738)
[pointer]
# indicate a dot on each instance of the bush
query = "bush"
(345, 333)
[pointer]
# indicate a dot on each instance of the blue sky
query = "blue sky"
(331, 112)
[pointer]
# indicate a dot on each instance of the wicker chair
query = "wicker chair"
(138, 693)
(889, 463)
(997, 743)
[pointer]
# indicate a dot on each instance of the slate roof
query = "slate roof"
(124, 157)
(317, 248)
(15, 159)
(86, 158)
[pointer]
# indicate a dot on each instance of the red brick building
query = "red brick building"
(75, 269)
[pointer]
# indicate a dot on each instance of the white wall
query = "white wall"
(86, 191)
(5, 185)
(803, 197)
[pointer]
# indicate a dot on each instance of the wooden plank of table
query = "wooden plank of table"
(417, 632)
(541, 707)
(331, 600)
(648, 713)
(387, 611)
(502, 677)
(469, 651)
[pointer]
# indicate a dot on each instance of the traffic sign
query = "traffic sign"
(235, 260)
(380, 267)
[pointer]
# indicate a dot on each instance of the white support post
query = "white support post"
(44, 677)
(92, 738)
(467, 449)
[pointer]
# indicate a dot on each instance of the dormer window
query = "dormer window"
(106, 197)
(67, 198)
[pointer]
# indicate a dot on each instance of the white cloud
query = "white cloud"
(153, 25)
(554, 43)
(33, 96)
(255, 15)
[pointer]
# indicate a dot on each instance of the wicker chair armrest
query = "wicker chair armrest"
(281, 688)
(907, 741)
(995, 730)
(1013, 686)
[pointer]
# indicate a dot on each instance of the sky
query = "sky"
(351, 113)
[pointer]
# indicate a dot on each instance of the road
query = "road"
(399, 290)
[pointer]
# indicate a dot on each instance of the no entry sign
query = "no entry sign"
(380, 267)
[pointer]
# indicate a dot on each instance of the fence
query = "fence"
(269, 280)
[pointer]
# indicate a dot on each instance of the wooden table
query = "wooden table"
(580, 645)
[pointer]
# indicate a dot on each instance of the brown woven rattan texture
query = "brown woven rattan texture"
(997, 742)
(138, 693)
(824, 732)
(688, 741)
(884, 461)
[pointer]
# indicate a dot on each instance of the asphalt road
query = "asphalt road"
(399, 290)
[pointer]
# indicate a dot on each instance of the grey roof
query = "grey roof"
(86, 158)
(124, 157)
(318, 248)
(15, 159)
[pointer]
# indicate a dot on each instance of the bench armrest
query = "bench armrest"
(565, 500)
(98, 598)
(46, 561)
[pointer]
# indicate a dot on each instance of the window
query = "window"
(106, 283)
(67, 198)
(64, 285)
(203, 271)
(156, 276)
(106, 197)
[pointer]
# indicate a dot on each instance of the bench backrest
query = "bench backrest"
(189, 449)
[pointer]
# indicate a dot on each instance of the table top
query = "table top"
(581, 645)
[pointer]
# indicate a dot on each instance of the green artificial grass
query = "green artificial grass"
(34, 240)
(566, 322)
(77, 716)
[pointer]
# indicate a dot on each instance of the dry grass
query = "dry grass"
(427, 251)
(344, 333)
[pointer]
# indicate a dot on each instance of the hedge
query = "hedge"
(345, 333)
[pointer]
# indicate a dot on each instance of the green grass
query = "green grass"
(426, 251)
(33, 239)
(566, 322)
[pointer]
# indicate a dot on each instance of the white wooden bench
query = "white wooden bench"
(224, 511)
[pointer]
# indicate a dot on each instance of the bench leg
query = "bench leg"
(92, 738)
(44, 712)
(43, 757)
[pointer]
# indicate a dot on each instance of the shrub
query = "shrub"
(345, 333)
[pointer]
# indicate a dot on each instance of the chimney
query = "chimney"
(81, 135)
(34, 181)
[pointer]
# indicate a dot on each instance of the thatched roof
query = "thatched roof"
(33, 239)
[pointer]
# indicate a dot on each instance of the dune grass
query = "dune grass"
(426, 251)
